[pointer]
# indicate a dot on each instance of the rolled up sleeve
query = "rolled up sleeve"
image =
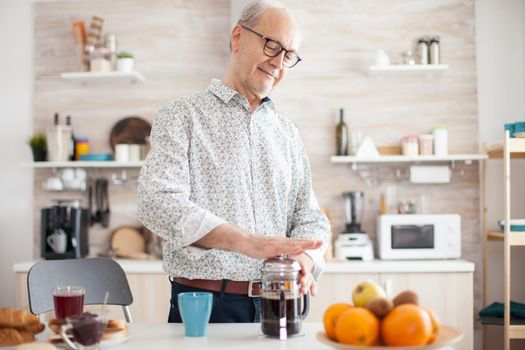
(164, 189)
(306, 219)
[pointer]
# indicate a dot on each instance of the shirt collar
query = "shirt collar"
(225, 94)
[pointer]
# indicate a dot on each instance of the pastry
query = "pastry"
(115, 325)
(10, 336)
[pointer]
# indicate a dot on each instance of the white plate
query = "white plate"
(447, 336)
(520, 134)
(113, 342)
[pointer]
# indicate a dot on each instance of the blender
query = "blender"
(354, 243)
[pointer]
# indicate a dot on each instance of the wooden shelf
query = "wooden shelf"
(517, 238)
(406, 68)
(91, 77)
(496, 151)
(517, 331)
(407, 159)
(495, 235)
(83, 164)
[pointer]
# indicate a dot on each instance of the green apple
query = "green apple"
(366, 292)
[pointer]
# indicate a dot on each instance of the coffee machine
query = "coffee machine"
(354, 243)
(64, 230)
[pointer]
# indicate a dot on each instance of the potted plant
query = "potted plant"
(38, 145)
(125, 62)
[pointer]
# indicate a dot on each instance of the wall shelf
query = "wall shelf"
(407, 159)
(406, 68)
(83, 164)
(92, 77)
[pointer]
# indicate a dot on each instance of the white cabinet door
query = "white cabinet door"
(449, 295)
(334, 288)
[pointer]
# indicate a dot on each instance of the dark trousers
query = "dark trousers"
(227, 308)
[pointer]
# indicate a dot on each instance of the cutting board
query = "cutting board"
(127, 241)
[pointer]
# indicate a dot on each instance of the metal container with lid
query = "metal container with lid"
(435, 50)
(281, 313)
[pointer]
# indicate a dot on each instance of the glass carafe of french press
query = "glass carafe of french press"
(281, 313)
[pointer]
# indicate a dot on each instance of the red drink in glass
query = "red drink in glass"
(69, 301)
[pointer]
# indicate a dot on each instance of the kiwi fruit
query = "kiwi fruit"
(380, 306)
(406, 297)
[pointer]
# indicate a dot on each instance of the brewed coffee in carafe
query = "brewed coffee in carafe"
(281, 308)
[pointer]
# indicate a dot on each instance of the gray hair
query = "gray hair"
(251, 12)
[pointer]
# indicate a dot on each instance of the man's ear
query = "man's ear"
(235, 38)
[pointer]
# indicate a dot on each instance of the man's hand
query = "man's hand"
(229, 237)
(306, 279)
(262, 247)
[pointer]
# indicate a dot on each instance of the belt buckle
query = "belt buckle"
(250, 287)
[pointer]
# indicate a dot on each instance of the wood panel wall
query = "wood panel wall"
(180, 45)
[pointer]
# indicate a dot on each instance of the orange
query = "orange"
(406, 325)
(436, 324)
(331, 315)
(357, 326)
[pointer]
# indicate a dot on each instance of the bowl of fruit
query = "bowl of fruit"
(374, 321)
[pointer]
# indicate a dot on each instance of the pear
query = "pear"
(366, 291)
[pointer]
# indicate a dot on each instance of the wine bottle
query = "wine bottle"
(341, 136)
(72, 142)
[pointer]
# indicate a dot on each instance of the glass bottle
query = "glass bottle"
(341, 135)
(72, 142)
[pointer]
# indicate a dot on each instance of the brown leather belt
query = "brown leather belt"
(251, 288)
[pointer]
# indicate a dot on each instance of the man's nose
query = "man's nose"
(278, 60)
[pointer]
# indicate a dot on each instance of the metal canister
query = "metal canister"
(422, 50)
(110, 42)
(435, 50)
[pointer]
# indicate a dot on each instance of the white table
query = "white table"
(246, 336)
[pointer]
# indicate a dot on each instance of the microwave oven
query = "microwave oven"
(415, 236)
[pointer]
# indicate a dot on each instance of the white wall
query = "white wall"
(16, 41)
(500, 34)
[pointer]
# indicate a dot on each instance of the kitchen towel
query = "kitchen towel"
(496, 310)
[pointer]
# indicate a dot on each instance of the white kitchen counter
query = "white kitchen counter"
(332, 267)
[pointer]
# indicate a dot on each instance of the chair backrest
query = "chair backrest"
(96, 275)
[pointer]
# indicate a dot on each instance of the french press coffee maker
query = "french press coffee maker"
(281, 313)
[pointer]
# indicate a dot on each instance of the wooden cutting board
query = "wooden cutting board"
(128, 241)
(130, 130)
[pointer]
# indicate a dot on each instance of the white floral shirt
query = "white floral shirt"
(214, 161)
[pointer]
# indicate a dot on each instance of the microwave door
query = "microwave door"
(413, 237)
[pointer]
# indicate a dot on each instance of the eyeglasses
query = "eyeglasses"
(273, 48)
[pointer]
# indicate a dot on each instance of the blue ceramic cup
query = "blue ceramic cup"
(195, 311)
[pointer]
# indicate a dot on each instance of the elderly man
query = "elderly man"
(227, 182)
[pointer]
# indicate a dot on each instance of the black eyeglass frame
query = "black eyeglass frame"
(299, 59)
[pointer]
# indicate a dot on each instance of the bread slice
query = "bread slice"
(115, 325)
(10, 336)
(55, 325)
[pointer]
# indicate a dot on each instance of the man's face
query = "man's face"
(256, 71)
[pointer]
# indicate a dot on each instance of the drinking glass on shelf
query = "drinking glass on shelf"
(69, 301)
(356, 138)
